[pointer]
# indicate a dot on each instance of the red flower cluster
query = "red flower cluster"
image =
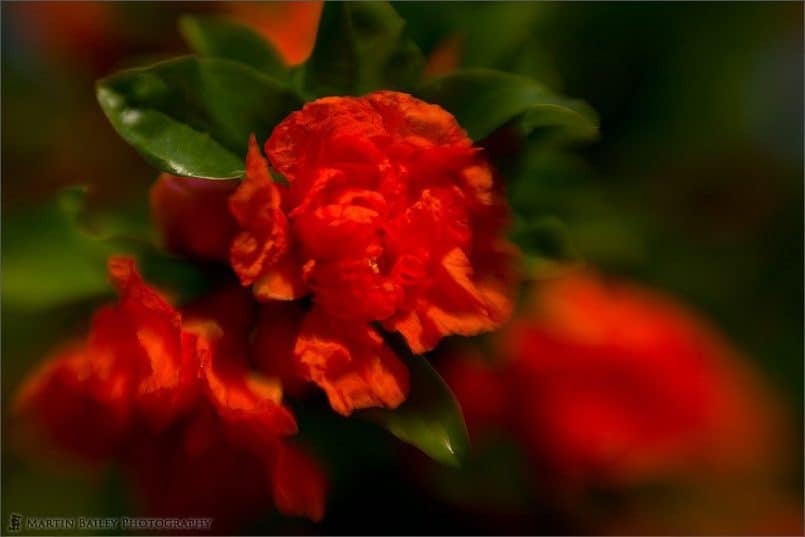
(607, 382)
(386, 215)
(172, 397)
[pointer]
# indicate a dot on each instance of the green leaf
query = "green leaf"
(546, 244)
(430, 419)
(217, 37)
(47, 260)
(484, 100)
(478, 26)
(494, 478)
(361, 47)
(193, 116)
(50, 259)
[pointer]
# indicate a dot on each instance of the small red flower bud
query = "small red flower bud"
(193, 216)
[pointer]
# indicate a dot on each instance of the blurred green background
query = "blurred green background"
(694, 187)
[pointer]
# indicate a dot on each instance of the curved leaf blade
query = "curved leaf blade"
(193, 116)
(168, 144)
(430, 419)
(484, 100)
(217, 37)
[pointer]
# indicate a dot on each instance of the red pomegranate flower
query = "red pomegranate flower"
(382, 211)
(389, 215)
(337, 355)
(167, 394)
(348, 360)
(610, 382)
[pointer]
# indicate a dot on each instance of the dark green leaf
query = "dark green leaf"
(484, 100)
(361, 47)
(560, 186)
(217, 37)
(495, 477)
(546, 244)
(430, 419)
(192, 116)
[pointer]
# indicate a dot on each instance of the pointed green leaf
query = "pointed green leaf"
(430, 419)
(193, 116)
(484, 100)
(361, 47)
(217, 37)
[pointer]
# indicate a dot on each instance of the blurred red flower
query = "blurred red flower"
(164, 392)
(75, 31)
(289, 26)
(445, 57)
(610, 383)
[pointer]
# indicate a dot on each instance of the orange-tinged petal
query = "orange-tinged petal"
(141, 339)
(134, 366)
(410, 326)
(263, 239)
(283, 281)
(406, 116)
(137, 299)
(247, 401)
(351, 363)
(456, 304)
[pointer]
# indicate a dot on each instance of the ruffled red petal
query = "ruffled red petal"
(394, 216)
(263, 240)
(351, 363)
(406, 116)
(456, 303)
(169, 396)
